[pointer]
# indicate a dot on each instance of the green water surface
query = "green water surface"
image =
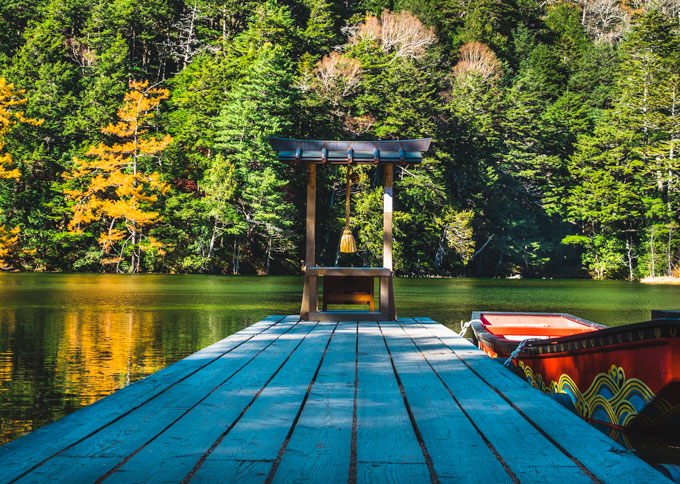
(67, 340)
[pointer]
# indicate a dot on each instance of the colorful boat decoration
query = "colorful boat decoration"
(621, 377)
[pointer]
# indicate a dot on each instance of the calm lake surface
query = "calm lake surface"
(67, 340)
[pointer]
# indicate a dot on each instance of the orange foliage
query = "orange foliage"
(10, 99)
(477, 59)
(400, 32)
(117, 190)
(10, 115)
(337, 75)
(9, 244)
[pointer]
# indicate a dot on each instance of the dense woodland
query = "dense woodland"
(133, 134)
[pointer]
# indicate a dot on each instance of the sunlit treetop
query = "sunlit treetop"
(10, 101)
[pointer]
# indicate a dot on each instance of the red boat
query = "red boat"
(620, 377)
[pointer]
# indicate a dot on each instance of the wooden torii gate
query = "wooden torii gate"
(317, 152)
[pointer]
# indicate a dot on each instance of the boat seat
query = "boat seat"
(508, 331)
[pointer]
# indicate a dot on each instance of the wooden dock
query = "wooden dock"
(290, 401)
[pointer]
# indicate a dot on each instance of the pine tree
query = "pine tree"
(244, 183)
(605, 198)
(649, 81)
(320, 33)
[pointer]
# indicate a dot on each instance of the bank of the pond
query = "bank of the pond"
(67, 340)
(661, 280)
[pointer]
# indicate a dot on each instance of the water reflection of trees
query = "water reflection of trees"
(100, 353)
(72, 363)
(67, 340)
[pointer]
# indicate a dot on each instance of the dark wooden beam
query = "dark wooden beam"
(386, 285)
(310, 290)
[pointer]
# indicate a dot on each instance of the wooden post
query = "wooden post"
(387, 217)
(310, 256)
(310, 291)
(386, 291)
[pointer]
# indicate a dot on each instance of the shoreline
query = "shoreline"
(660, 280)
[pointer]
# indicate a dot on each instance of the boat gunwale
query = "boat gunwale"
(503, 346)
(604, 336)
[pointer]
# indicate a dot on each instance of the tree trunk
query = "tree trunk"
(629, 249)
(269, 254)
(337, 254)
(235, 256)
(583, 15)
(499, 262)
(668, 252)
(133, 257)
(479, 251)
(190, 35)
(651, 248)
(211, 247)
(439, 256)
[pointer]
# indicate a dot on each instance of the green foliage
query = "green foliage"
(603, 256)
(244, 183)
(555, 139)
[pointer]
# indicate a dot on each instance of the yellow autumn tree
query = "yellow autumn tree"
(114, 187)
(11, 101)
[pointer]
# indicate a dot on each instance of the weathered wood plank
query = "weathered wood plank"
(608, 461)
(136, 429)
(262, 430)
(523, 449)
(277, 403)
(439, 417)
(319, 449)
(384, 431)
(372, 473)
(242, 472)
(20, 455)
(171, 456)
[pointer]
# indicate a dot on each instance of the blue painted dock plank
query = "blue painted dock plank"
(276, 403)
(604, 458)
(22, 454)
(524, 450)
(319, 449)
(440, 419)
(261, 432)
(385, 434)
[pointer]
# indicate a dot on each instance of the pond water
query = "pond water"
(67, 340)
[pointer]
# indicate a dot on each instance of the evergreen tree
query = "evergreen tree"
(247, 174)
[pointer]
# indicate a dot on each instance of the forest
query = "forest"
(134, 134)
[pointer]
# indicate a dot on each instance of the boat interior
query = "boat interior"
(523, 326)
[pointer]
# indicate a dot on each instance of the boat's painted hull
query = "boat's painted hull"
(622, 377)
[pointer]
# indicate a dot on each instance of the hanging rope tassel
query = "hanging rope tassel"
(347, 243)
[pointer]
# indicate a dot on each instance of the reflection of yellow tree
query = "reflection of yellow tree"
(5, 369)
(10, 428)
(6, 358)
(102, 352)
(10, 101)
(114, 186)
